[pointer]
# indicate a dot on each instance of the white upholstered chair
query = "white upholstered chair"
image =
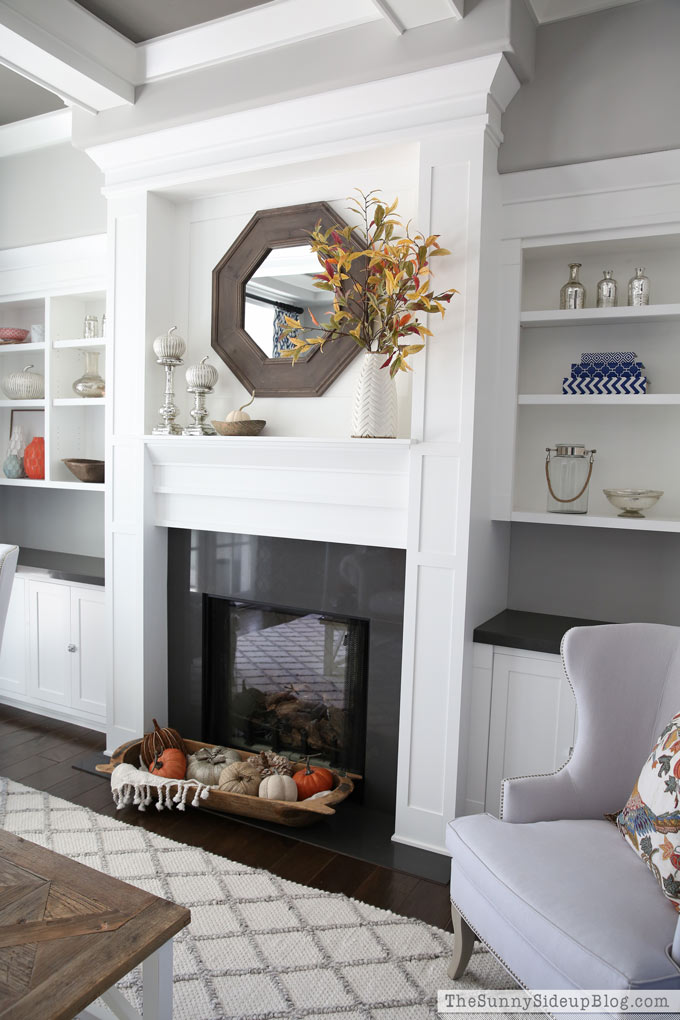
(8, 561)
(553, 889)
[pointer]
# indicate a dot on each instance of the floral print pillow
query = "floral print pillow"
(650, 821)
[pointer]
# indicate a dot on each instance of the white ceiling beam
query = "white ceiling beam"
(252, 31)
(63, 48)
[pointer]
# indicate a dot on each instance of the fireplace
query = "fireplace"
(289, 644)
(285, 680)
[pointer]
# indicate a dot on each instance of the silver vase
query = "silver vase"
(638, 288)
(573, 293)
(606, 290)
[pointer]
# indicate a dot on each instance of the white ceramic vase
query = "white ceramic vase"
(375, 411)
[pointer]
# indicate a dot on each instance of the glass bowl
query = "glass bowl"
(632, 501)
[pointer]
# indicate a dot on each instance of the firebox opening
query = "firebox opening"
(288, 680)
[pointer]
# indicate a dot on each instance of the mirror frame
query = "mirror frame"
(269, 229)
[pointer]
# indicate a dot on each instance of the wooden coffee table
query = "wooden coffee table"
(68, 933)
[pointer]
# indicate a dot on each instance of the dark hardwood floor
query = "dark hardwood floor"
(40, 752)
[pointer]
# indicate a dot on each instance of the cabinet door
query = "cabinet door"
(88, 634)
(14, 650)
(50, 637)
(533, 716)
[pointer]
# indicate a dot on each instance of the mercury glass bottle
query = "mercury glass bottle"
(638, 288)
(568, 467)
(90, 383)
(606, 290)
(573, 294)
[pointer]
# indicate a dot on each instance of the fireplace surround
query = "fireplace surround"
(233, 596)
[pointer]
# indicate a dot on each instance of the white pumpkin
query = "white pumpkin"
(278, 787)
(240, 415)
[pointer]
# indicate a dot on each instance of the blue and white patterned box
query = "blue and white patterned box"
(618, 357)
(634, 368)
(612, 384)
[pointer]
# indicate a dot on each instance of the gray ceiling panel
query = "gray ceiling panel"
(20, 98)
(144, 20)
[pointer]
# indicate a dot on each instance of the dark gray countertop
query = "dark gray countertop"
(536, 632)
(61, 566)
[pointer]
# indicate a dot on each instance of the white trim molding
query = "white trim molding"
(35, 133)
(473, 93)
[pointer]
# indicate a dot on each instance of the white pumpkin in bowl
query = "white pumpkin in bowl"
(240, 414)
(277, 787)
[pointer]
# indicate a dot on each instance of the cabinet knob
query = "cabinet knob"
(72, 648)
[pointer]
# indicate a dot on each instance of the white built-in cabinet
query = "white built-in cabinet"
(523, 720)
(52, 659)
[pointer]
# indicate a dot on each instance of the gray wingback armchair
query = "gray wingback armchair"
(552, 889)
(8, 562)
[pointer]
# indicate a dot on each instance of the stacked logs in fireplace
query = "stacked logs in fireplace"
(288, 721)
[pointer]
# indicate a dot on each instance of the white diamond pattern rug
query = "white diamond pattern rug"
(258, 947)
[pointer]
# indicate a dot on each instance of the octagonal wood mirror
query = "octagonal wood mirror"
(266, 274)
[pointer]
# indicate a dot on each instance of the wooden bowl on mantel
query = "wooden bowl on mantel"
(249, 427)
(284, 812)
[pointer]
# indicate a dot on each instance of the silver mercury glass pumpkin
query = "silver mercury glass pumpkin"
(201, 379)
(169, 349)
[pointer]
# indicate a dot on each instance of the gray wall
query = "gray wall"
(50, 195)
(61, 520)
(596, 573)
(605, 85)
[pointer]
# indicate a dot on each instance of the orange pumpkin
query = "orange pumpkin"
(312, 779)
(171, 763)
(161, 737)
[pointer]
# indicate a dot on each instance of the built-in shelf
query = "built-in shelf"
(596, 521)
(41, 483)
(79, 402)
(25, 405)
(24, 348)
(98, 341)
(607, 399)
(600, 316)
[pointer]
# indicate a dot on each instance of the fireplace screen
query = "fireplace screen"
(284, 680)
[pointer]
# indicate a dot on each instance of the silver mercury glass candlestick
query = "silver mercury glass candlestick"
(169, 349)
(201, 379)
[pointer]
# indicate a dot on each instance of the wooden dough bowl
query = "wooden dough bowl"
(295, 813)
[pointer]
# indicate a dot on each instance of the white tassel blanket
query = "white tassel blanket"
(132, 786)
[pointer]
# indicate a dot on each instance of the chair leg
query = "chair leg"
(463, 944)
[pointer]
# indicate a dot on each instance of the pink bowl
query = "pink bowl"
(10, 333)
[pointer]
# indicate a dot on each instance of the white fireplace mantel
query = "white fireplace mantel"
(429, 496)
(352, 491)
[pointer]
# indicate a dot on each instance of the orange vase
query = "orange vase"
(34, 458)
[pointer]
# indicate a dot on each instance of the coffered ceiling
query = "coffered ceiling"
(96, 54)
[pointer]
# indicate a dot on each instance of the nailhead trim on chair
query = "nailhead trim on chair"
(542, 775)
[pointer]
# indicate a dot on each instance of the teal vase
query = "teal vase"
(14, 467)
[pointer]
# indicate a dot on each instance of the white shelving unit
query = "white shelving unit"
(619, 316)
(635, 435)
(72, 426)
